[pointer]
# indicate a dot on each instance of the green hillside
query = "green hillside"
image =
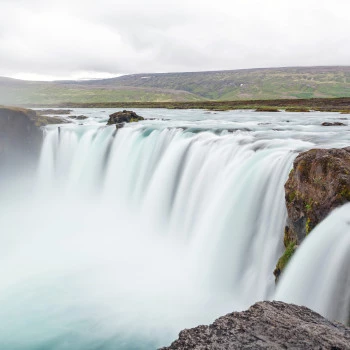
(262, 84)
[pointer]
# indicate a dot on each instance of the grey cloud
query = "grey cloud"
(63, 37)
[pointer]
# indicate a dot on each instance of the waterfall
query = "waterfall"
(128, 237)
(318, 276)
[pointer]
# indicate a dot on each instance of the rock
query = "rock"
(20, 138)
(42, 120)
(53, 111)
(333, 124)
(78, 117)
(119, 118)
(266, 325)
(318, 183)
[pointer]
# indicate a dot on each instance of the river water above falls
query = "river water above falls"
(124, 238)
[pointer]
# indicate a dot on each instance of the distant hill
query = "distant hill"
(247, 84)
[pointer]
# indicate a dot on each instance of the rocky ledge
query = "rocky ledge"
(318, 183)
(266, 325)
(120, 118)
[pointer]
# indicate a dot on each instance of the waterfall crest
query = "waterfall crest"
(140, 233)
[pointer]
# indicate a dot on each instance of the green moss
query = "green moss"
(291, 196)
(284, 259)
(345, 193)
(307, 226)
(289, 237)
(308, 206)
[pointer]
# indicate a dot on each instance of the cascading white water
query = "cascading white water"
(318, 276)
(129, 237)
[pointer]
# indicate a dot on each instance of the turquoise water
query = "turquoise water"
(122, 239)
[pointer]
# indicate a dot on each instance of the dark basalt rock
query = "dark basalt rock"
(333, 124)
(78, 117)
(318, 183)
(119, 118)
(266, 325)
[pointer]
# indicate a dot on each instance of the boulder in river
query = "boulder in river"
(119, 118)
(266, 325)
(333, 124)
(78, 117)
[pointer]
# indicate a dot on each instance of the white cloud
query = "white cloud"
(72, 38)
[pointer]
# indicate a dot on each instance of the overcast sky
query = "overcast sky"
(47, 39)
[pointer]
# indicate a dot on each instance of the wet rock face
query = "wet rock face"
(318, 183)
(266, 325)
(119, 118)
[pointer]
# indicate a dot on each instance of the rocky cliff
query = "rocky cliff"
(21, 137)
(266, 325)
(318, 183)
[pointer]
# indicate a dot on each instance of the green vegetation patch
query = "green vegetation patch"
(285, 258)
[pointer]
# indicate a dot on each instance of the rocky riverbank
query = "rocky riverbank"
(266, 325)
(318, 183)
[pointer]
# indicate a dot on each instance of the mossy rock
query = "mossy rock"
(284, 259)
(318, 183)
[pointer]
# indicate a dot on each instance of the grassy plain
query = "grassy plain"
(239, 85)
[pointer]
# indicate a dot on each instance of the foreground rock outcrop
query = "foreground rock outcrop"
(120, 118)
(318, 183)
(266, 325)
